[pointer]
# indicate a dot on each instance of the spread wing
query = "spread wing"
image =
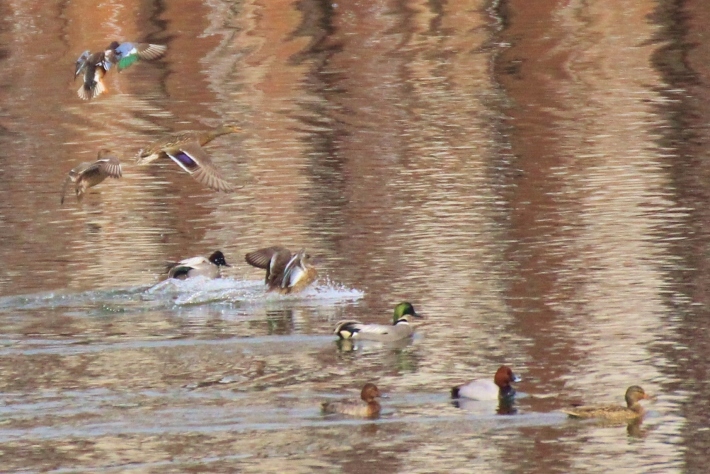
(64, 188)
(262, 258)
(109, 166)
(272, 259)
(192, 158)
(128, 53)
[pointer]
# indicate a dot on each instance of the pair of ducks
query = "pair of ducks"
(498, 389)
(94, 66)
(286, 272)
(183, 148)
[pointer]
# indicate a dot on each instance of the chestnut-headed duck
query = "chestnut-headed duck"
(371, 409)
(630, 412)
(185, 149)
(198, 266)
(285, 272)
(399, 329)
(484, 389)
(87, 175)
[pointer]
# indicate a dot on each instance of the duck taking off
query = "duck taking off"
(285, 272)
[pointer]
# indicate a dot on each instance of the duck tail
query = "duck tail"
(455, 392)
(347, 329)
(89, 91)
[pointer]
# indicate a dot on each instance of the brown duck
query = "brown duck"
(630, 412)
(87, 175)
(371, 408)
(185, 149)
(285, 272)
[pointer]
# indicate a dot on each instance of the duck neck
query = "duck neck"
(506, 392)
(636, 407)
(212, 134)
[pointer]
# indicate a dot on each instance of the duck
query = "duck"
(398, 330)
(371, 409)
(484, 389)
(185, 149)
(87, 175)
(616, 413)
(198, 266)
(286, 272)
(126, 54)
(96, 65)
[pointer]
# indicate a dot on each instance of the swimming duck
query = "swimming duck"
(484, 389)
(400, 328)
(198, 266)
(630, 412)
(371, 409)
(96, 65)
(87, 175)
(285, 272)
(185, 149)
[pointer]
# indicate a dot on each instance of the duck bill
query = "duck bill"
(517, 378)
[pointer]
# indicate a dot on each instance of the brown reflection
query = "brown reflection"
(584, 189)
(682, 59)
(429, 156)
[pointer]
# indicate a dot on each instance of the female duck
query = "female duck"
(400, 328)
(198, 266)
(630, 412)
(87, 175)
(285, 272)
(483, 389)
(185, 149)
(371, 409)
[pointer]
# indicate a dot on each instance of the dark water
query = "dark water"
(533, 176)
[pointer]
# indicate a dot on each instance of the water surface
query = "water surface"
(531, 175)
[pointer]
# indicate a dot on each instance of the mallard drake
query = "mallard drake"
(285, 272)
(198, 266)
(630, 412)
(371, 409)
(95, 65)
(400, 328)
(87, 175)
(185, 149)
(484, 389)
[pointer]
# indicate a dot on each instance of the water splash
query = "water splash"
(180, 293)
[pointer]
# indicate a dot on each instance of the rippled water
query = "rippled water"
(531, 175)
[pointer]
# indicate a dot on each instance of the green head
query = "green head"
(403, 309)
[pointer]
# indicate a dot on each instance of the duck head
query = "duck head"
(218, 259)
(634, 394)
(405, 311)
(504, 376)
(369, 392)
